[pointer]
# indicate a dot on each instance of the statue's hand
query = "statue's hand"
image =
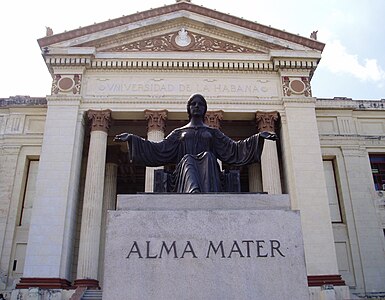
(268, 135)
(123, 137)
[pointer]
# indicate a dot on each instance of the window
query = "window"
(29, 193)
(332, 189)
(377, 162)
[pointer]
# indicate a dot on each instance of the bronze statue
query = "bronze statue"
(195, 148)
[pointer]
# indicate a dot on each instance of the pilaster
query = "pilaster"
(368, 230)
(306, 183)
(51, 233)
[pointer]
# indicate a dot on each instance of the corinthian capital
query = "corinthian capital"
(156, 119)
(213, 118)
(266, 121)
(100, 120)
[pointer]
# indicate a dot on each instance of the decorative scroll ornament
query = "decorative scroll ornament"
(156, 119)
(296, 86)
(66, 84)
(100, 119)
(182, 41)
(266, 121)
(213, 118)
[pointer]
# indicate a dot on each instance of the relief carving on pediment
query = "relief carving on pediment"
(182, 40)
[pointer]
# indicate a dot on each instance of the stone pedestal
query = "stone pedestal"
(206, 246)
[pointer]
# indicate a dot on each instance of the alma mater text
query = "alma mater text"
(213, 249)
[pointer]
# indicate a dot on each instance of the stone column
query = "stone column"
(156, 126)
(271, 180)
(213, 119)
(255, 175)
(109, 199)
(88, 262)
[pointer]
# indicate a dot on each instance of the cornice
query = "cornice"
(67, 60)
(354, 141)
(299, 100)
(180, 6)
(240, 63)
(182, 65)
(64, 100)
(348, 103)
(23, 101)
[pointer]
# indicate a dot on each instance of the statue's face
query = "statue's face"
(197, 107)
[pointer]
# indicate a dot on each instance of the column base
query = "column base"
(320, 280)
(44, 283)
(89, 283)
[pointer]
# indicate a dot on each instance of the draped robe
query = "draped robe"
(195, 151)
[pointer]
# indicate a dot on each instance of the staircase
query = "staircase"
(92, 295)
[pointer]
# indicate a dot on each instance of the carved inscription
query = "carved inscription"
(213, 249)
(253, 88)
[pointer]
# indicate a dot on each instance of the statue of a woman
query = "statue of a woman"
(195, 148)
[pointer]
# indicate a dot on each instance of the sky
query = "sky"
(352, 64)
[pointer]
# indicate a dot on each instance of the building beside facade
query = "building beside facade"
(61, 170)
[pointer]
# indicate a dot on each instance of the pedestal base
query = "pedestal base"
(207, 246)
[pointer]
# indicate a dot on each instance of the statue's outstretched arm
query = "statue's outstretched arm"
(123, 137)
(268, 135)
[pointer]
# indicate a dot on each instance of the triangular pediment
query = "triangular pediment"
(187, 41)
(182, 26)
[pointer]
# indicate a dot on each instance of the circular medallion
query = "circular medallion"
(182, 39)
(297, 86)
(65, 84)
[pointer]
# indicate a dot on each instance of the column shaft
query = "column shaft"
(109, 200)
(156, 126)
(255, 183)
(88, 262)
(271, 180)
(155, 135)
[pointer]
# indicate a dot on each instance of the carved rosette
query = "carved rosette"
(214, 118)
(296, 86)
(66, 84)
(100, 120)
(266, 121)
(182, 40)
(156, 119)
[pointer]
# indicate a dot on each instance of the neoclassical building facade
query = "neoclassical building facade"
(61, 170)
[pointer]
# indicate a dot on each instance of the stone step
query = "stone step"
(92, 295)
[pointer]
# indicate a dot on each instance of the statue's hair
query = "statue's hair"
(189, 102)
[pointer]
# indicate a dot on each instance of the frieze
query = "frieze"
(130, 85)
(182, 40)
